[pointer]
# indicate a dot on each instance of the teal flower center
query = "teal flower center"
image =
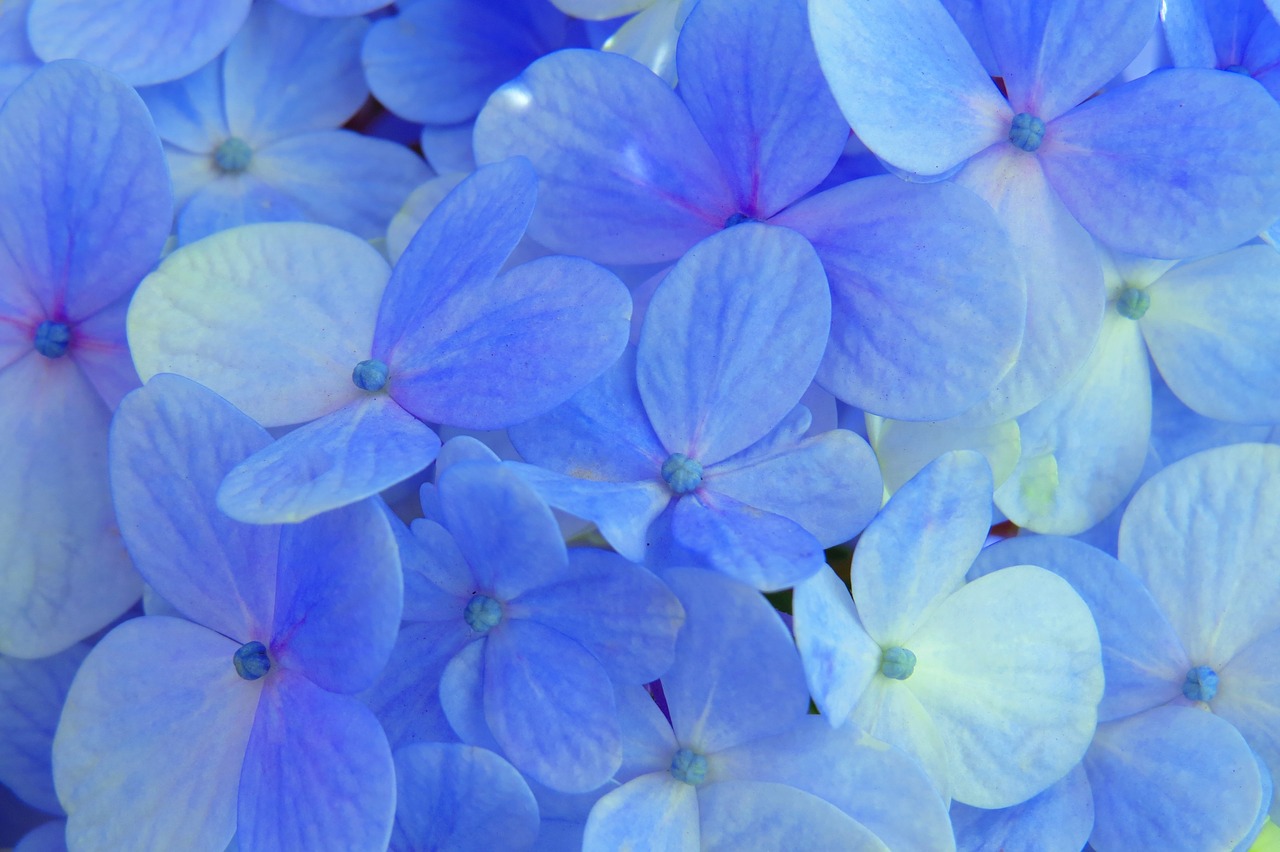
(897, 663)
(689, 766)
(1132, 303)
(682, 473)
(483, 613)
(370, 375)
(1027, 132)
(233, 156)
(251, 660)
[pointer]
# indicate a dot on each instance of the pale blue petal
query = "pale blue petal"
(917, 550)
(448, 147)
(406, 698)
(415, 210)
(150, 745)
(749, 77)
(287, 74)
(317, 772)
(731, 340)
(908, 82)
(1249, 698)
(1056, 820)
(928, 306)
(462, 695)
(1188, 152)
(66, 572)
(1187, 35)
(625, 176)
(232, 200)
(905, 447)
(436, 576)
(1146, 796)
(890, 712)
(1197, 533)
(1177, 431)
(462, 448)
(737, 815)
(457, 798)
(840, 659)
(230, 312)
(88, 202)
(32, 693)
(17, 61)
(101, 351)
(648, 743)
(143, 41)
(1010, 669)
(1211, 328)
(652, 812)
(1053, 55)
(737, 675)
(172, 442)
(353, 453)
(829, 484)
(335, 7)
(189, 113)
(550, 705)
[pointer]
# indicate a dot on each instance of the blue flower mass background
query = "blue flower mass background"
(640, 425)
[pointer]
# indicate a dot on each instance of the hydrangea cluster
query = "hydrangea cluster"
(639, 424)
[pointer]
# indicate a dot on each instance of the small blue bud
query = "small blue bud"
(233, 156)
(483, 613)
(1201, 684)
(370, 375)
(1132, 303)
(737, 219)
(682, 473)
(1027, 132)
(1238, 69)
(252, 661)
(897, 663)
(689, 766)
(52, 339)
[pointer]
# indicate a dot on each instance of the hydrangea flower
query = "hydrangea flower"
(86, 207)
(237, 719)
(1242, 37)
(300, 323)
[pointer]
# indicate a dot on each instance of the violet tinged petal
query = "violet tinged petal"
(601, 433)
(87, 199)
(150, 744)
(623, 511)
(739, 814)
(406, 698)
(737, 675)
(172, 442)
(462, 799)
(829, 484)
(1211, 329)
(928, 307)
(1171, 778)
(621, 613)
(317, 772)
(144, 41)
(230, 201)
(1145, 170)
(840, 659)
(339, 597)
(32, 693)
(340, 178)
(624, 174)
(1196, 533)
(272, 316)
(731, 340)
(1249, 698)
(917, 550)
(461, 245)
(1053, 55)
(66, 570)
(345, 456)
(764, 550)
(926, 121)
(550, 705)
(504, 530)
(751, 80)
(1142, 660)
(509, 348)
(1066, 296)
(1083, 447)
(1059, 819)
(266, 62)
(652, 811)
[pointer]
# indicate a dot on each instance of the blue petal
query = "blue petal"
(339, 597)
(927, 305)
(172, 442)
(448, 147)
(417, 207)
(335, 7)
(343, 457)
(749, 77)
(550, 705)
(731, 340)
(1188, 184)
(17, 61)
(87, 199)
(50, 837)
(498, 351)
(1187, 34)
(737, 815)
(144, 41)
(1249, 698)
(317, 772)
(1056, 820)
(233, 200)
(150, 745)
(840, 659)
(927, 119)
(32, 693)
(406, 698)
(462, 695)
(189, 114)
(625, 175)
(651, 812)
(460, 798)
(436, 576)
